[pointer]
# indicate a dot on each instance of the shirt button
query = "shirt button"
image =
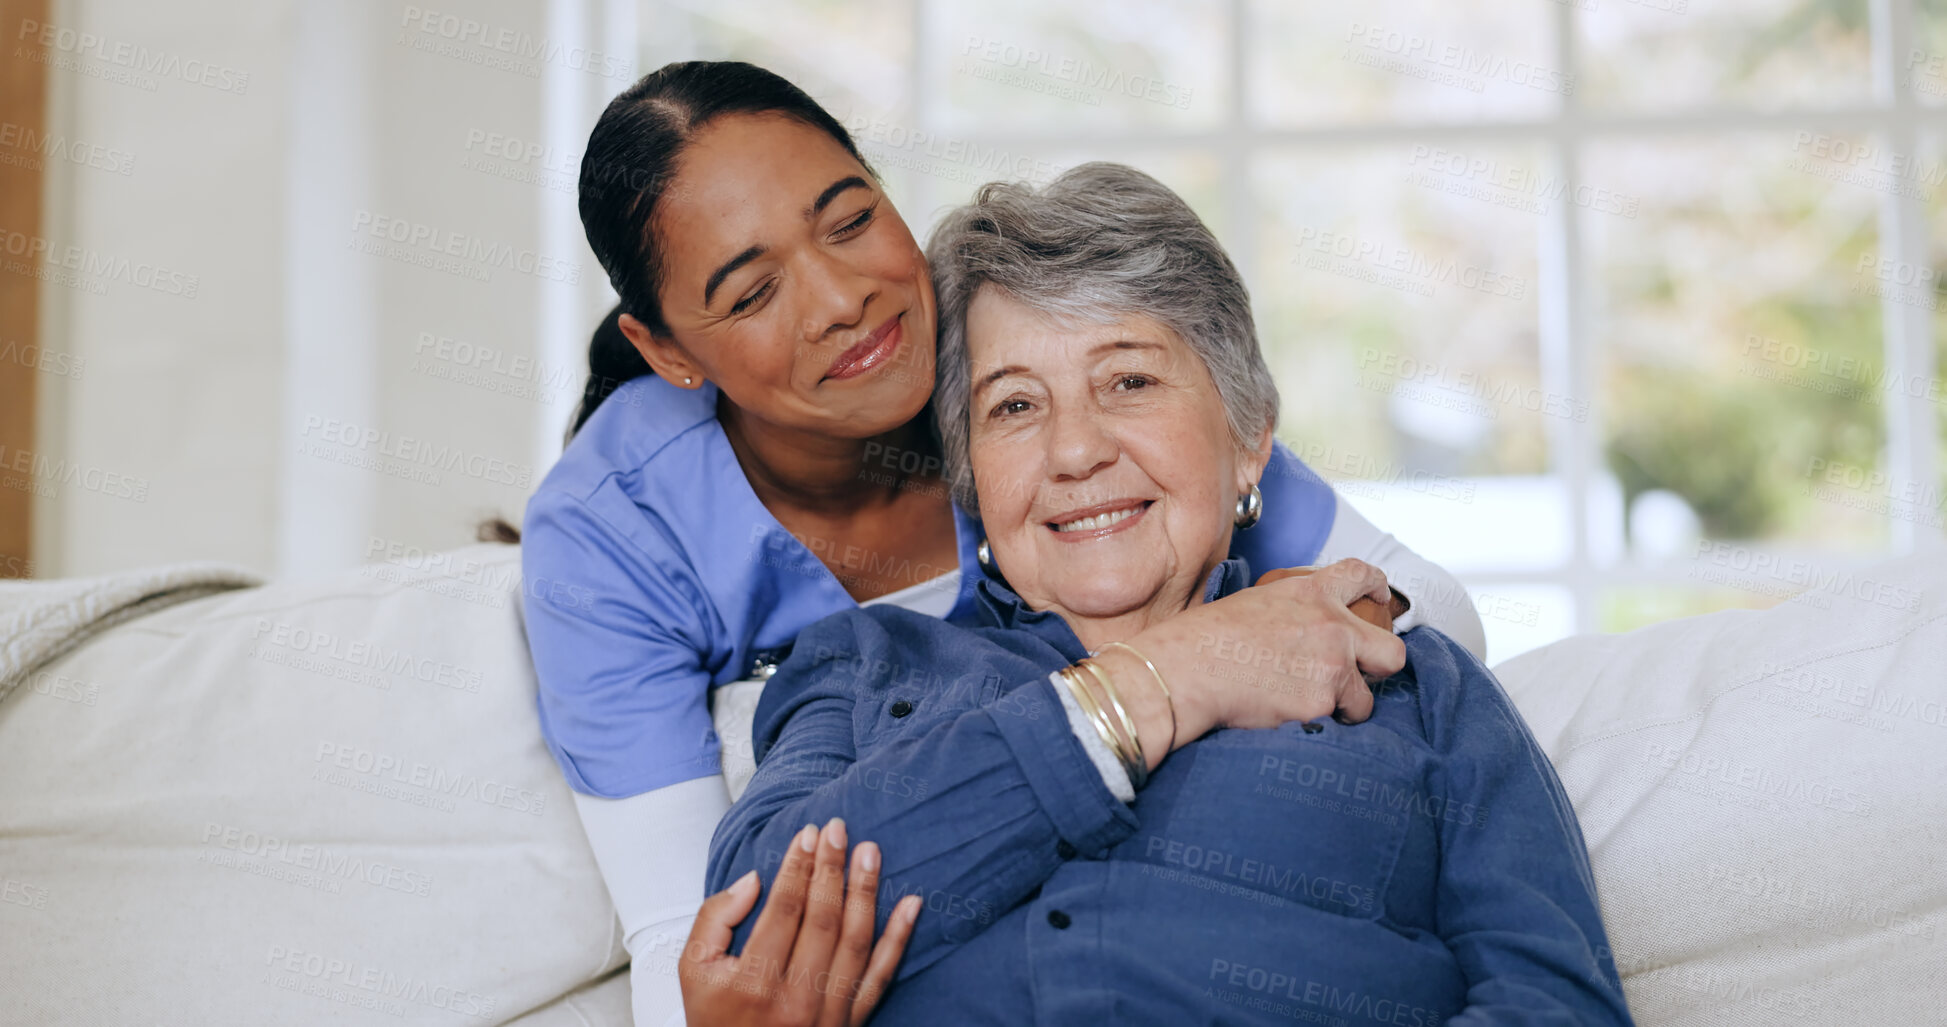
(901, 708)
(1064, 850)
(1312, 728)
(1058, 919)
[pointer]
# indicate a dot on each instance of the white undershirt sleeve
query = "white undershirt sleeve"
(654, 853)
(1435, 598)
(1099, 753)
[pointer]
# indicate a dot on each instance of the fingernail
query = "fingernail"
(745, 883)
(808, 839)
(867, 857)
(835, 834)
(909, 908)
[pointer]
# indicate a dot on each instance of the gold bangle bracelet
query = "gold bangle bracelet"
(1091, 709)
(1132, 757)
(1168, 699)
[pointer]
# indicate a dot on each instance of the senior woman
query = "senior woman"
(1100, 839)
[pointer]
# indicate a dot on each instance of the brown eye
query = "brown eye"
(1011, 406)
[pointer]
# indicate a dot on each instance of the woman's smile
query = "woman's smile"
(1100, 520)
(874, 350)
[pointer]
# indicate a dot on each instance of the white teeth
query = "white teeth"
(1099, 521)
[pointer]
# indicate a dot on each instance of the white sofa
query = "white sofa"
(328, 801)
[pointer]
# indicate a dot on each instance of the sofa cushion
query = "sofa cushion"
(296, 803)
(1763, 794)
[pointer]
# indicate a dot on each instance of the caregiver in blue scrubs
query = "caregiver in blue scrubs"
(760, 456)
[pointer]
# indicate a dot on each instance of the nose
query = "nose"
(1080, 442)
(836, 295)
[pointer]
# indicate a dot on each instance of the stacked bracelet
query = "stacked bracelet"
(1127, 750)
(1168, 699)
(1133, 758)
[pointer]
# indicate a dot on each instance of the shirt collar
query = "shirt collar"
(1001, 608)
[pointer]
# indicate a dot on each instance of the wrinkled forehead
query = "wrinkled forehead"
(1009, 337)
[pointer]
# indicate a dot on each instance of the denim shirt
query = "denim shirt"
(1421, 868)
(652, 574)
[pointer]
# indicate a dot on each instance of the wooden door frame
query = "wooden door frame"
(23, 105)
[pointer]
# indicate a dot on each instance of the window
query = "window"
(1621, 309)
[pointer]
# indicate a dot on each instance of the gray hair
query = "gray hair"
(1099, 243)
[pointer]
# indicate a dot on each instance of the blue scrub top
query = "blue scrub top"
(653, 573)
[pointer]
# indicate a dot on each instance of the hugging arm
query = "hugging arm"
(967, 807)
(1306, 522)
(1517, 901)
(1436, 599)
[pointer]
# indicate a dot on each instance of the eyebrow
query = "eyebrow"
(717, 276)
(998, 373)
(831, 193)
(817, 207)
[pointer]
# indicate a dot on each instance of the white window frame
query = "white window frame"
(1569, 353)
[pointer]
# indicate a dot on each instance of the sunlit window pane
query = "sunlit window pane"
(1399, 308)
(1519, 617)
(1399, 60)
(1766, 54)
(1924, 504)
(1923, 67)
(1029, 64)
(851, 55)
(1740, 322)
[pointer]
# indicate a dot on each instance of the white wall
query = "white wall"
(292, 410)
